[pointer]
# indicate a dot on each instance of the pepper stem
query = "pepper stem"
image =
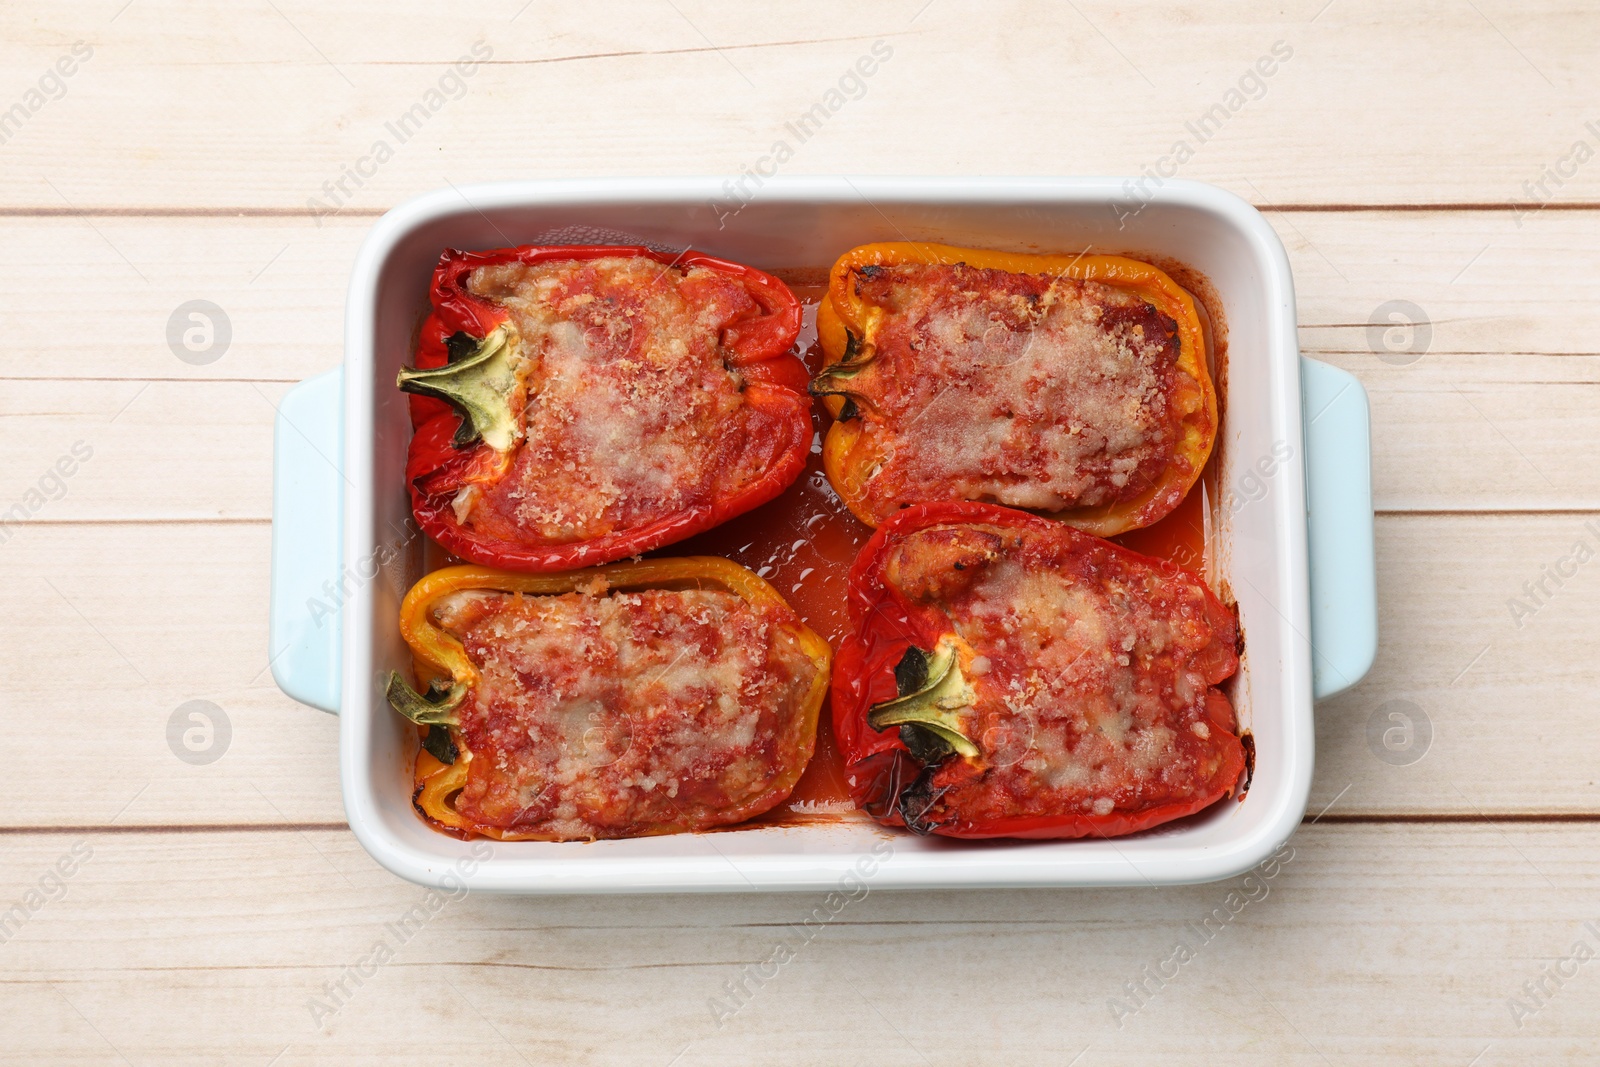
(418, 708)
(850, 364)
(933, 691)
(480, 385)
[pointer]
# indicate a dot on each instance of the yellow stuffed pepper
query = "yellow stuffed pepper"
(634, 699)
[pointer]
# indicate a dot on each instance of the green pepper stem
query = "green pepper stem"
(850, 364)
(419, 709)
(936, 704)
(480, 386)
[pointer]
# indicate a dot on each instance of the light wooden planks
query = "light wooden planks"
(1366, 944)
(1484, 285)
(124, 451)
(92, 298)
(1486, 418)
(1486, 282)
(1458, 429)
(1510, 709)
(124, 625)
(260, 108)
(144, 586)
(1506, 692)
(1481, 432)
(1450, 433)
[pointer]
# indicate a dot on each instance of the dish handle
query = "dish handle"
(1344, 588)
(307, 539)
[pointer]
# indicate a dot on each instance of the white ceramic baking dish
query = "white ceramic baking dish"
(342, 541)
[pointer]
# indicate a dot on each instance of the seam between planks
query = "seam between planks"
(246, 520)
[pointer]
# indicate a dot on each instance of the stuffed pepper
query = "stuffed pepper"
(622, 701)
(1076, 386)
(1010, 676)
(575, 405)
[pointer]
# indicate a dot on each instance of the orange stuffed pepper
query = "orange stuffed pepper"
(1076, 387)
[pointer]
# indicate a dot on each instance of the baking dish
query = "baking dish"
(1292, 537)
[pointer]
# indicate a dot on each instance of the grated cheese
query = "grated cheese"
(1101, 663)
(596, 715)
(632, 412)
(1020, 389)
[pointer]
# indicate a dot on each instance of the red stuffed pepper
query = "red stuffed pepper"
(1010, 676)
(579, 404)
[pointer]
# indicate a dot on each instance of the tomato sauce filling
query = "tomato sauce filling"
(804, 541)
(633, 410)
(1021, 389)
(1093, 674)
(610, 715)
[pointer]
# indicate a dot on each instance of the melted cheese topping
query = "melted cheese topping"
(632, 413)
(1093, 671)
(1021, 389)
(607, 716)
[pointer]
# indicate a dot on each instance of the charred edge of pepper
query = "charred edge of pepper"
(925, 746)
(929, 707)
(852, 348)
(441, 745)
(460, 345)
(917, 801)
(911, 673)
(478, 384)
(882, 798)
(1174, 334)
(435, 709)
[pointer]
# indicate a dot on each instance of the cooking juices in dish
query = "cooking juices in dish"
(1010, 676)
(1072, 385)
(622, 701)
(575, 405)
(547, 743)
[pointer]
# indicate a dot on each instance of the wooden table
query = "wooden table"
(172, 911)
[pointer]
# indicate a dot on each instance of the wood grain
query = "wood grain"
(280, 283)
(126, 646)
(1510, 707)
(1450, 433)
(1482, 282)
(261, 110)
(164, 451)
(1480, 412)
(1364, 944)
(1399, 156)
(1507, 693)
